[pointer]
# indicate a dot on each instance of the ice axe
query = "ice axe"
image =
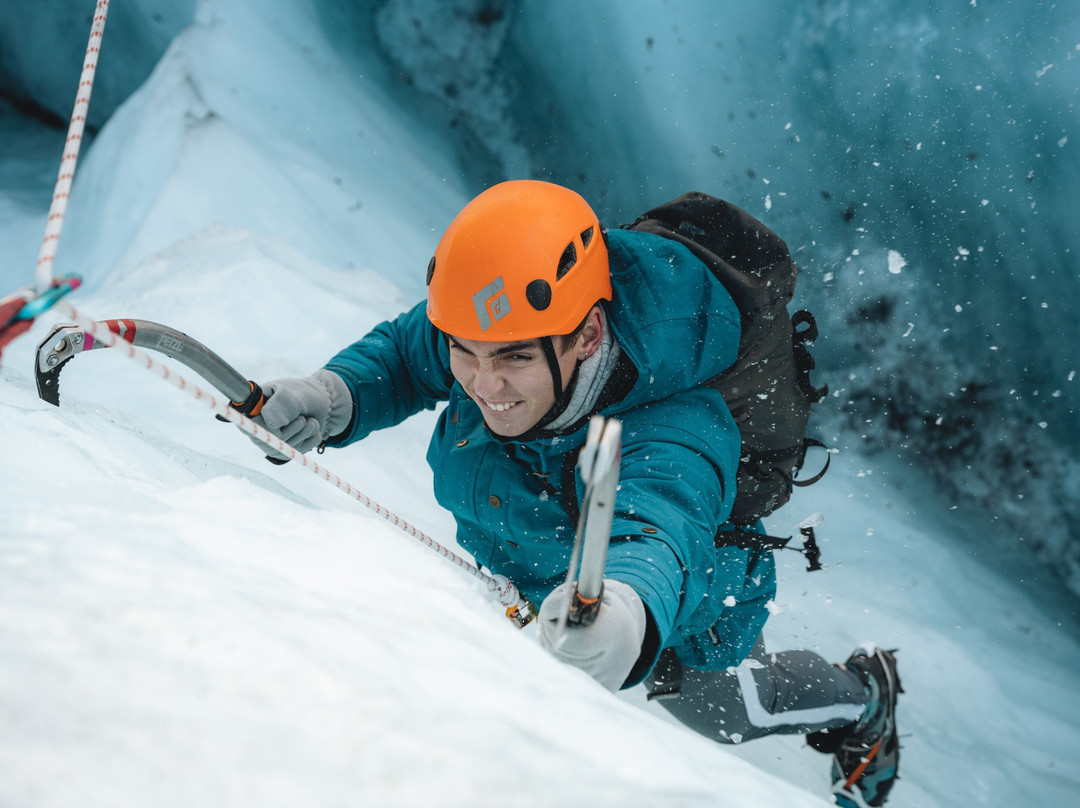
(67, 340)
(599, 464)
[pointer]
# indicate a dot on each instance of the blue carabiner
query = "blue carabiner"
(44, 301)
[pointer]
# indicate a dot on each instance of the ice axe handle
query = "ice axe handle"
(252, 406)
(583, 610)
(599, 463)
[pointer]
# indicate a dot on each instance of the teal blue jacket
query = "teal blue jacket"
(677, 326)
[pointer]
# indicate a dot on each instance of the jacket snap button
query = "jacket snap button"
(461, 443)
(649, 530)
(494, 501)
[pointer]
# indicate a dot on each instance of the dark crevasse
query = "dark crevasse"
(42, 45)
(42, 49)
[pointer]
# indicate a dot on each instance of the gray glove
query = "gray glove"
(305, 412)
(607, 649)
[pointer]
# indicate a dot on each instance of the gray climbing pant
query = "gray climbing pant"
(791, 692)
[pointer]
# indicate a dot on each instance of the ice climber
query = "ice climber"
(537, 318)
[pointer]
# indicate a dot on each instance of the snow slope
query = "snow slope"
(182, 623)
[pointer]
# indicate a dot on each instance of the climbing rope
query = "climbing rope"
(43, 274)
(19, 308)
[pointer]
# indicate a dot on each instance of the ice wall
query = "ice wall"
(42, 45)
(918, 157)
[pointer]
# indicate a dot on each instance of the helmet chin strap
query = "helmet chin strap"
(548, 344)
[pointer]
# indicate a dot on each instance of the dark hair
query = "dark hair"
(565, 340)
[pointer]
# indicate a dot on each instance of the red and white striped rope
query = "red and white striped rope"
(504, 590)
(43, 273)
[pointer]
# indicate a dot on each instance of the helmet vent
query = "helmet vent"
(586, 237)
(430, 270)
(567, 261)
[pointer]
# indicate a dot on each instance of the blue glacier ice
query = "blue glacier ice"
(272, 175)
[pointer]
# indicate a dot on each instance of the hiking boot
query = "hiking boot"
(866, 755)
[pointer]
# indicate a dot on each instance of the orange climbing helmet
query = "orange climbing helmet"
(524, 259)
